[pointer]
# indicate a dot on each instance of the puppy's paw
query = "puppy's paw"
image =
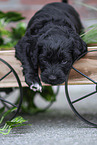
(36, 87)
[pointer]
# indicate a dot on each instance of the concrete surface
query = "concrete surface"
(57, 126)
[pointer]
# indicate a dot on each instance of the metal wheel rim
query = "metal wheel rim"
(19, 84)
(69, 100)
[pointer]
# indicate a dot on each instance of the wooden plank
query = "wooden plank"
(87, 65)
(9, 81)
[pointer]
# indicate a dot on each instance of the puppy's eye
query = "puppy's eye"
(64, 62)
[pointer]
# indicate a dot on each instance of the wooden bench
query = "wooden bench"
(86, 65)
(82, 65)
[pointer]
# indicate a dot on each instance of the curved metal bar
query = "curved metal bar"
(5, 75)
(67, 93)
(84, 54)
(81, 98)
(84, 75)
(20, 86)
(74, 110)
(6, 105)
(7, 102)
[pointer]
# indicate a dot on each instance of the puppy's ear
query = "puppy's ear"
(21, 48)
(26, 51)
(79, 48)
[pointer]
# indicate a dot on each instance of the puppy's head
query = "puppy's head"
(57, 52)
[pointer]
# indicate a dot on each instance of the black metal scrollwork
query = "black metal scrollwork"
(71, 103)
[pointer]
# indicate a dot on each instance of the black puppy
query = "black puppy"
(51, 43)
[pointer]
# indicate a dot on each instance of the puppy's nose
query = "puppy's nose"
(52, 78)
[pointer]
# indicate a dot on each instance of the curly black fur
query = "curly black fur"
(51, 42)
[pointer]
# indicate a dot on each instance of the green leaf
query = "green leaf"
(2, 110)
(2, 15)
(9, 125)
(13, 17)
(1, 40)
(7, 113)
(48, 94)
(5, 130)
(86, 5)
(16, 122)
(18, 32)
(90, 36)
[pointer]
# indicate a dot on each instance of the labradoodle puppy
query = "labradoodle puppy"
(51, 43)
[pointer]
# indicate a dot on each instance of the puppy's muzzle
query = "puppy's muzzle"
(52, 78)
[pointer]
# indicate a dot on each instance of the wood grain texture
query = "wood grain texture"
(9, 81)
(87, 65)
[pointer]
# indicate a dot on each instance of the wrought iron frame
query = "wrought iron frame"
(20, 88)
(66, 91)
(72, 102)
(21, 91)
